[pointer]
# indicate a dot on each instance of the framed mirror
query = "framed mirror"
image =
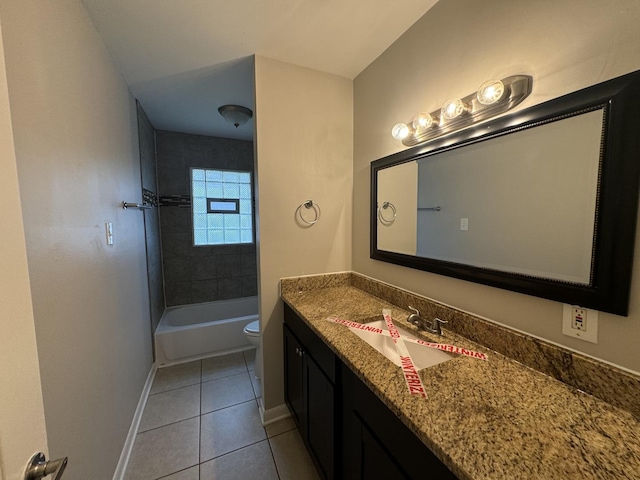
(542, 202)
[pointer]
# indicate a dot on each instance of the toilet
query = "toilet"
(252, 332)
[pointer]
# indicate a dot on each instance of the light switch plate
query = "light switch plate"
(109, 230)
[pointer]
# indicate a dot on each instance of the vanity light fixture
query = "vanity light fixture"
(491, 92)
(422, 122)
(493, 97)
(400, 131)
(453, 108)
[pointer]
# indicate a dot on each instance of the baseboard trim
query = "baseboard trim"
(121, 468)
(273, 414)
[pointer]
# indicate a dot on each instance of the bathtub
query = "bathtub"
(190, 332)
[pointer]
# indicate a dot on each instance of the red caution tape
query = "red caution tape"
(440, 346)
(410, 372)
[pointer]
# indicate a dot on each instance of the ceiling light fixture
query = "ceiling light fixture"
(493, 97)
(235, 114)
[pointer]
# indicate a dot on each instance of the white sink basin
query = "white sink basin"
(422, 356)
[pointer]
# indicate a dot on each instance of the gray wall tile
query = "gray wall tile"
(205, 291)
(249, 286)
(229, 288)
(211, 272)
(229, 266)
(177, 293)
(204, 268)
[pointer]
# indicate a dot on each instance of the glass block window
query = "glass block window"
(221, 201)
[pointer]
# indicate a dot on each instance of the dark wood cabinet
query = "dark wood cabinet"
(320, 406)
(347, 430)
(379, 442)
(293, 380)
(310, 393)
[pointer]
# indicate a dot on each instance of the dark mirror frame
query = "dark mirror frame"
(617, 212)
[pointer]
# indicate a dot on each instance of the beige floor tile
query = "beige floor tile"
(223, 366)
(281, 426)
(250, 358)
(176, 376)
(252, 462)
(229, 429)
(192, 473)
(164, 450)
(171, 406)
(292, 460)
(225, 392)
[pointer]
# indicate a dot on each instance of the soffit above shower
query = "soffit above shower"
(183, 59)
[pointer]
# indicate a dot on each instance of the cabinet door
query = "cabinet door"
(380, 445)
(320, 408)
(294, 378)
(375, 460)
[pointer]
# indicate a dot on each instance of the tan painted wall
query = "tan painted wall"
(22, 428)
(304, 150)
(76, 148)
(449, 52)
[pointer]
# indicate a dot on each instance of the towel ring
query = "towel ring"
(309, 204)
(383, 220)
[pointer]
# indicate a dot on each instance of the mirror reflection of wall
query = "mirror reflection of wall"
(399, 186)
(529, 199)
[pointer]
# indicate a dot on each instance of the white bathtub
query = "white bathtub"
(190, 332)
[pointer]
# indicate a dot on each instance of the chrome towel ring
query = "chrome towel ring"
(309, 204)
(386, 220)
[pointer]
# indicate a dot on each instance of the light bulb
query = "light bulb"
(422, 121)
(490, 92)
(453, 108)
(400, 131)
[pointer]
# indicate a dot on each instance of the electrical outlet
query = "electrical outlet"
(464, 224)
(580, 323)
(579, 318)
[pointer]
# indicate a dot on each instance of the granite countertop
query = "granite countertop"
(495, 419)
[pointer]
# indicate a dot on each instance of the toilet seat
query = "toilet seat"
(253, 328)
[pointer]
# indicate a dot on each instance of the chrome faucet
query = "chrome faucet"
(422, 324)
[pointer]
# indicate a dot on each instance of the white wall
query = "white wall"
(449, 52)
(304, 135)
(22, 428)
(400, 234)
(76, 148)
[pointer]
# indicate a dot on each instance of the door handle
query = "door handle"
(38, 467)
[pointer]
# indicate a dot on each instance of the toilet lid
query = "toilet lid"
(253, 327)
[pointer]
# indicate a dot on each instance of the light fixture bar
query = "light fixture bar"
(516, 89)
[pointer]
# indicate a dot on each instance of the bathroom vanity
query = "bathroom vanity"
(348, 431)
(497, 418)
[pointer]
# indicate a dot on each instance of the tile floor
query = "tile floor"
(201, 422)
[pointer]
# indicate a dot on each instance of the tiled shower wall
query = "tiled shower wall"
(203, 273)
(147, 144)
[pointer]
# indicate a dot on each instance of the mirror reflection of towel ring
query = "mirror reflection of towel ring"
(386, 220)
(309, 204)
